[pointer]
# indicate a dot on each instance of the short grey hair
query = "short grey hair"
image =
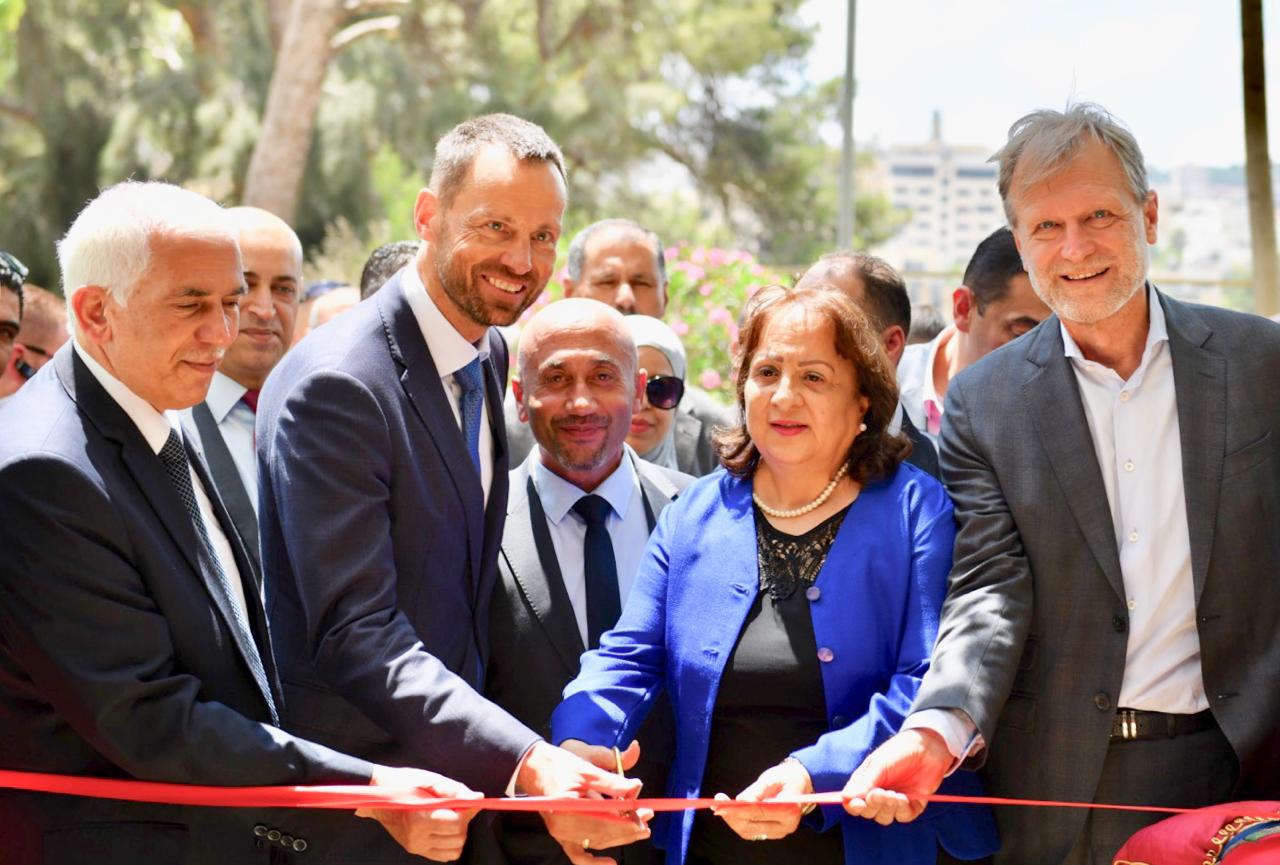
(109, 243)
(578, 248)
(1043, 142)
(454, 153)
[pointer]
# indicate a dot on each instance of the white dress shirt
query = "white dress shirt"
(155, 428)
(1134, 427)
(628, 526)
(235, 421)
(922, 401)
(451, 352)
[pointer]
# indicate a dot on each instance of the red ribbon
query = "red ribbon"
(350, 797)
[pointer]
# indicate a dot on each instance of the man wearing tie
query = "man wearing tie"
(134, 645)
(223, 423)
(383, 474)
(580, 512)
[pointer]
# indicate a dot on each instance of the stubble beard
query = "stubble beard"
(1090, 309)
(462, 287)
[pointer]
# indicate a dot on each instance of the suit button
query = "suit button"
(286, 841)
(1102, 700)
(299, 845)
(813, 593)
(260, 831)
(825, 655)
(839, 722)
(273, 835)
(1119, 624)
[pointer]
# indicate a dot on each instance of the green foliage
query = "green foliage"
(691, 116)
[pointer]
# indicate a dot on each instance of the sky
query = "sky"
(1170, 69)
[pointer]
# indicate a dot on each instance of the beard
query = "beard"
(462, 285)
(578, 459)
(1088, 306)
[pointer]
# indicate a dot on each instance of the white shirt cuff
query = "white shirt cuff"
(954, 726)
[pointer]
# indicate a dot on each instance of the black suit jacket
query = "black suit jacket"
(203, 428)
(536, 647)
(117, 654)
(379, 555)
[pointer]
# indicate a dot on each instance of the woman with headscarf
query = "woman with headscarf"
(662, 357)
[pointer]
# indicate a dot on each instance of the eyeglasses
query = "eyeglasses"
(664, 391)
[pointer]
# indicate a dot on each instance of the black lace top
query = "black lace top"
(788, 562)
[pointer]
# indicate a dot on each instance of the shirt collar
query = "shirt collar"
(559, 496)
(449, 349)
(1157, 332)
(928, 394)
(155, 426)
(224, 393)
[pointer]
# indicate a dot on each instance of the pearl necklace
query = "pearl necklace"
(803, 509)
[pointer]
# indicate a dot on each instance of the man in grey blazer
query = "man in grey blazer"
(223, 423)
(1112, 633)
(577, 386)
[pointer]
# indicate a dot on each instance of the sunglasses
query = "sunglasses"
(12, 272)
(664, 391)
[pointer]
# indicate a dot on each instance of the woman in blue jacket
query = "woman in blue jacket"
(788, 603)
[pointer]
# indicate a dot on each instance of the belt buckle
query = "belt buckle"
(1128, 724)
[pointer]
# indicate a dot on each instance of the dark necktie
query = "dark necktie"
(179, 471)
(603, 605)
(250, 399)
(471, 407)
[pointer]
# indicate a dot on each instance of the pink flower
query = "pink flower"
(692, 271)
(680, 327)
(672, 253)
(718, 257)
(720, 315)
(699, 255)
(733, 333)
(705, 289)
(710, 379)
(560, 275)
(752, 289)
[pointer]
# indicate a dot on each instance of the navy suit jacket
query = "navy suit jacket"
(879, 593)
(379, 555)
(117, 653)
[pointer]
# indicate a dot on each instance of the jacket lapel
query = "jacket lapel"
(526, 544)
(422, 385)
(1200, 382)
(1053, 395)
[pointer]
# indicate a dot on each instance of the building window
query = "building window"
(912, 171)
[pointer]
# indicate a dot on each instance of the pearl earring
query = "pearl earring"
(862, 427)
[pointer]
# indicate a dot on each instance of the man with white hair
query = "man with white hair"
(134, 645)
(1112, 631)
(223, 422)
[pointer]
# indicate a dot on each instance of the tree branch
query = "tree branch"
(369, 26)
(18, 112)
(354, 8)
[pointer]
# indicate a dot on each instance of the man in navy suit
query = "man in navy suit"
(383, 471)
(134, 645)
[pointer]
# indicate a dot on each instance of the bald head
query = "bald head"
(272, 257)
(581, 322)
(872, 284)
(578, 387)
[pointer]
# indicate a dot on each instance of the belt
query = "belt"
(1137, 724)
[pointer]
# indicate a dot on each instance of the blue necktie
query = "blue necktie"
(600, 568)
(471, 407)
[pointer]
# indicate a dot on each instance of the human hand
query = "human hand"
(438, 834)
(551, 771)
(602, 757)
(788, 778)
(888, 785)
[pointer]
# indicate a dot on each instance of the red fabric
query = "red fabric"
(1189, 839)
(250, 399)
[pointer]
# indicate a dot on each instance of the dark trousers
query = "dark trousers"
(1189, 771)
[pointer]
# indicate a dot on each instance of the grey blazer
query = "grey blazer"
(535, 648)
(1033, 634)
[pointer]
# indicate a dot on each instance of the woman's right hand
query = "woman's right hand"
(602, 757)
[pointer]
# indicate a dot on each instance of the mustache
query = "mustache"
(600, 420)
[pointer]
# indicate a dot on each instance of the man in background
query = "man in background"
(879, 292)
(384, 262)
(224, 423)
(995, 304)
(43, 331)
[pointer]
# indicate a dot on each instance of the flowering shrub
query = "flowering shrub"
(707, 287)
